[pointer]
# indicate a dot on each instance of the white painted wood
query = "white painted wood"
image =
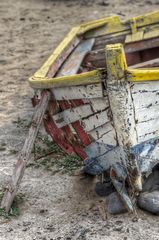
(119, 94)
(88, 118)
(105, 134)
(146, 107)
(147, 130)
(78, 113)
(122, 107)
(147, 114)
(145, 94)
(145, 86)
(95, 121)
(145, 99)
(97, 104)
(78, 92)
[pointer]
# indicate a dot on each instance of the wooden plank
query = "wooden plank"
(73, 62)
(76, 125)
(96, 120)
(147, 64)
(145, 100)
(147, 130)
(115, 26)
(142, 45)
(89, 123)
(145, 95)
(145, 87)
(105, 134)
(78, 92)
(24, 154)
(147, 114)
(96, 58)
(71, 115)
(102, 41)
(142, 75)
(92, 77)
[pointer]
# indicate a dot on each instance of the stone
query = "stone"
(152, 182)
(115, 204)
(104, 189)
(149, 201)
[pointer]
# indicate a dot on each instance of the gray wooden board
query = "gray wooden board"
(73, 62)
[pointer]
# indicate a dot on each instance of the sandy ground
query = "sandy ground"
(56, 206)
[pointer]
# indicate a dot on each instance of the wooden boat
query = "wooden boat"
(98, 95)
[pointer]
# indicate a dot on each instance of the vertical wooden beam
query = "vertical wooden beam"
(25, 153)
(122, 107)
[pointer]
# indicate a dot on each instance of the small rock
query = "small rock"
(22, 19)
(104, 3)
(25, 224)
(119, 228)
(149, 201)
(118, 222)
(104, 189)
(152, 182)
(115, 204)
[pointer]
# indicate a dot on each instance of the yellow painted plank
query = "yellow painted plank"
(142, 75)
(73, 80)
(114, 25)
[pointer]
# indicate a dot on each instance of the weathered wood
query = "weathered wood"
(120, 96)
(147, 114)
(96, 58)
(78, 92)
(147, 130)
(105, 134)
(147, 92)
(78, 113)
(84, 138)
(25, 153)
(73, 62)
(147, 64)
(96, 120)
(122, 107)
(142, 45)
(102, 41)
(85, 78)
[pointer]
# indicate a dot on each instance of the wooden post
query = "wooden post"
(122, 107)
(25, 152)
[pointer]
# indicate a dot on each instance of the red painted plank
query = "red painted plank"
(58, 135)
(76, 125)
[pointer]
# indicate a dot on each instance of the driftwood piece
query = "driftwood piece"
(25, 153)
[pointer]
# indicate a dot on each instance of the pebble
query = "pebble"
(104, 189)
(115, 204)
(149, 201)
